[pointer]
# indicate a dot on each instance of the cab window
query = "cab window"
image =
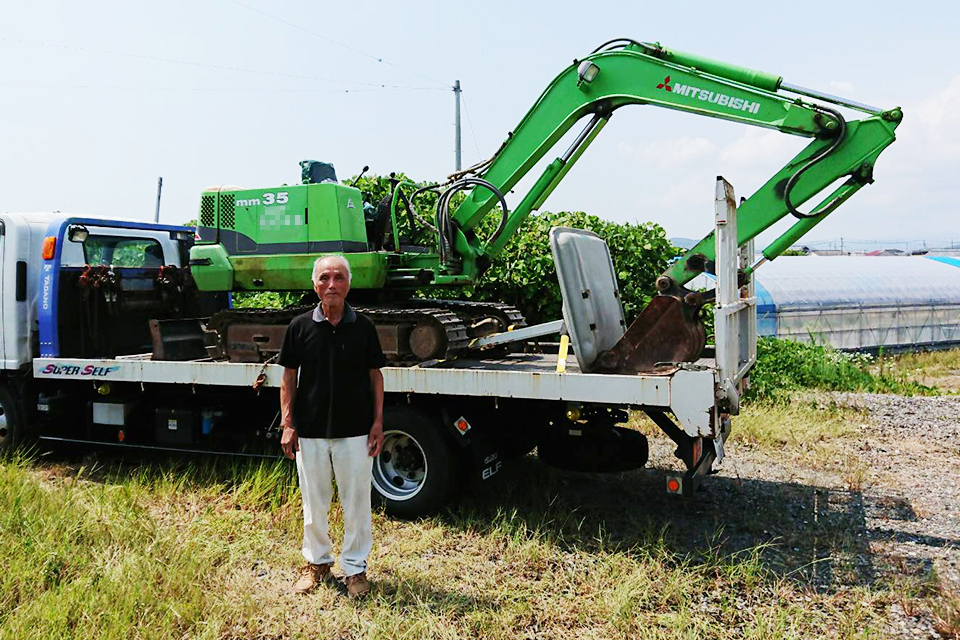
(123, 252)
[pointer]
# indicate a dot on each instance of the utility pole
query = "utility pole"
(456, 124)
(156, 216)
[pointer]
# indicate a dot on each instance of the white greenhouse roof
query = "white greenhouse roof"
(834, 281)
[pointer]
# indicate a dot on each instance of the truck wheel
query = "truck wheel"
(10, 425)
(414, 473)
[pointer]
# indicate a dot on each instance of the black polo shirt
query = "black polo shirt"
(334, 398)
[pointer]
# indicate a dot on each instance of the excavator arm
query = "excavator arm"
(628, 72)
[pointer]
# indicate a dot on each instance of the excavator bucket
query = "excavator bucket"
(667, 331)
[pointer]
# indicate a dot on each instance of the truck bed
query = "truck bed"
(688, 393)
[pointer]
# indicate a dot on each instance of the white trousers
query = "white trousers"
(319, 461)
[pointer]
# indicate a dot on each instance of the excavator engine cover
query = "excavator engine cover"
(667, 331)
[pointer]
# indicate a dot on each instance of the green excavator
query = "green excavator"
(268, 239)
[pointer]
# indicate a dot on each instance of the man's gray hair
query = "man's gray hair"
(340, 259)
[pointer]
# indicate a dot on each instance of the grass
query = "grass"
(784, 368)
(946, 608)
(803, 422)
(209, 551)
(127, 555)
(933, 368)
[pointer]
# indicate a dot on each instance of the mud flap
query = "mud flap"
(483, 450)
(487, 457)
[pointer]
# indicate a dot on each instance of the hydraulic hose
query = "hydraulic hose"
(413, 210)
(821, 155)
(618, 43)
(445, 224)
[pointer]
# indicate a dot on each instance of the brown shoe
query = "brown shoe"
(310, 576)
(358, 585)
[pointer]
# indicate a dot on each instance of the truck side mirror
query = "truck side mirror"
(77, 233)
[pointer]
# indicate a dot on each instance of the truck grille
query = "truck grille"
(226, 210)
(207, 218)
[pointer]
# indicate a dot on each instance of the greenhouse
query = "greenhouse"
(860, 302)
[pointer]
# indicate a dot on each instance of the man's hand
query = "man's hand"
(290, 443)
(375, 439)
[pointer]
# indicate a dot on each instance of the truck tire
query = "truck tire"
(11, 425)
(414, 475)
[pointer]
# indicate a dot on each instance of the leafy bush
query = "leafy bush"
(784, 367)
(524, 274)
(266, 299)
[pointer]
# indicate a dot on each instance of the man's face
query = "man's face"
(332, 283)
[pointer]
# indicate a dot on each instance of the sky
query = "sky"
(101, 97)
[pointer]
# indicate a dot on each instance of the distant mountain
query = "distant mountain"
(683, 243)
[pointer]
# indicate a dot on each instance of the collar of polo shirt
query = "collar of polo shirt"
(349, 315)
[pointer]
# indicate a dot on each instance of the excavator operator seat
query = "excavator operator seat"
(317, 172)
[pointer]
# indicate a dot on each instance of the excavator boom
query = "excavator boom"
(627, 72)
(643, 74)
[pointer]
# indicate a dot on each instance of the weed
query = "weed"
(800, 423)
(946, 608)
(784, 368)
(940, 368)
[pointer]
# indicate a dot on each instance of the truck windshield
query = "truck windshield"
(122, 252)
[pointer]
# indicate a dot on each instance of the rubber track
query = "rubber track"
(508, 315)
(453, 326)
(456, 330)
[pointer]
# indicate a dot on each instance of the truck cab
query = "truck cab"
(102, 281)
(69, 284)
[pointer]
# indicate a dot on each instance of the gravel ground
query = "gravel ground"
(884, 511)
(912, 501)
(911, 447)
(878, 510)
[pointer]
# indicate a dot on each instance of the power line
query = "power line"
(215, 89)
(470, 123)
(203, 64)
(338, 43)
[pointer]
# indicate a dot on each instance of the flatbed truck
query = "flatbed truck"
(81, 365)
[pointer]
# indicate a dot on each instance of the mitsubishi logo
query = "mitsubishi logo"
(665, 84)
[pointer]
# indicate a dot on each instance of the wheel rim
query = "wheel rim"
(400, 471)
(4, 427)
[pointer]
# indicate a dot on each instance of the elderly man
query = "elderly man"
(332, 418)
